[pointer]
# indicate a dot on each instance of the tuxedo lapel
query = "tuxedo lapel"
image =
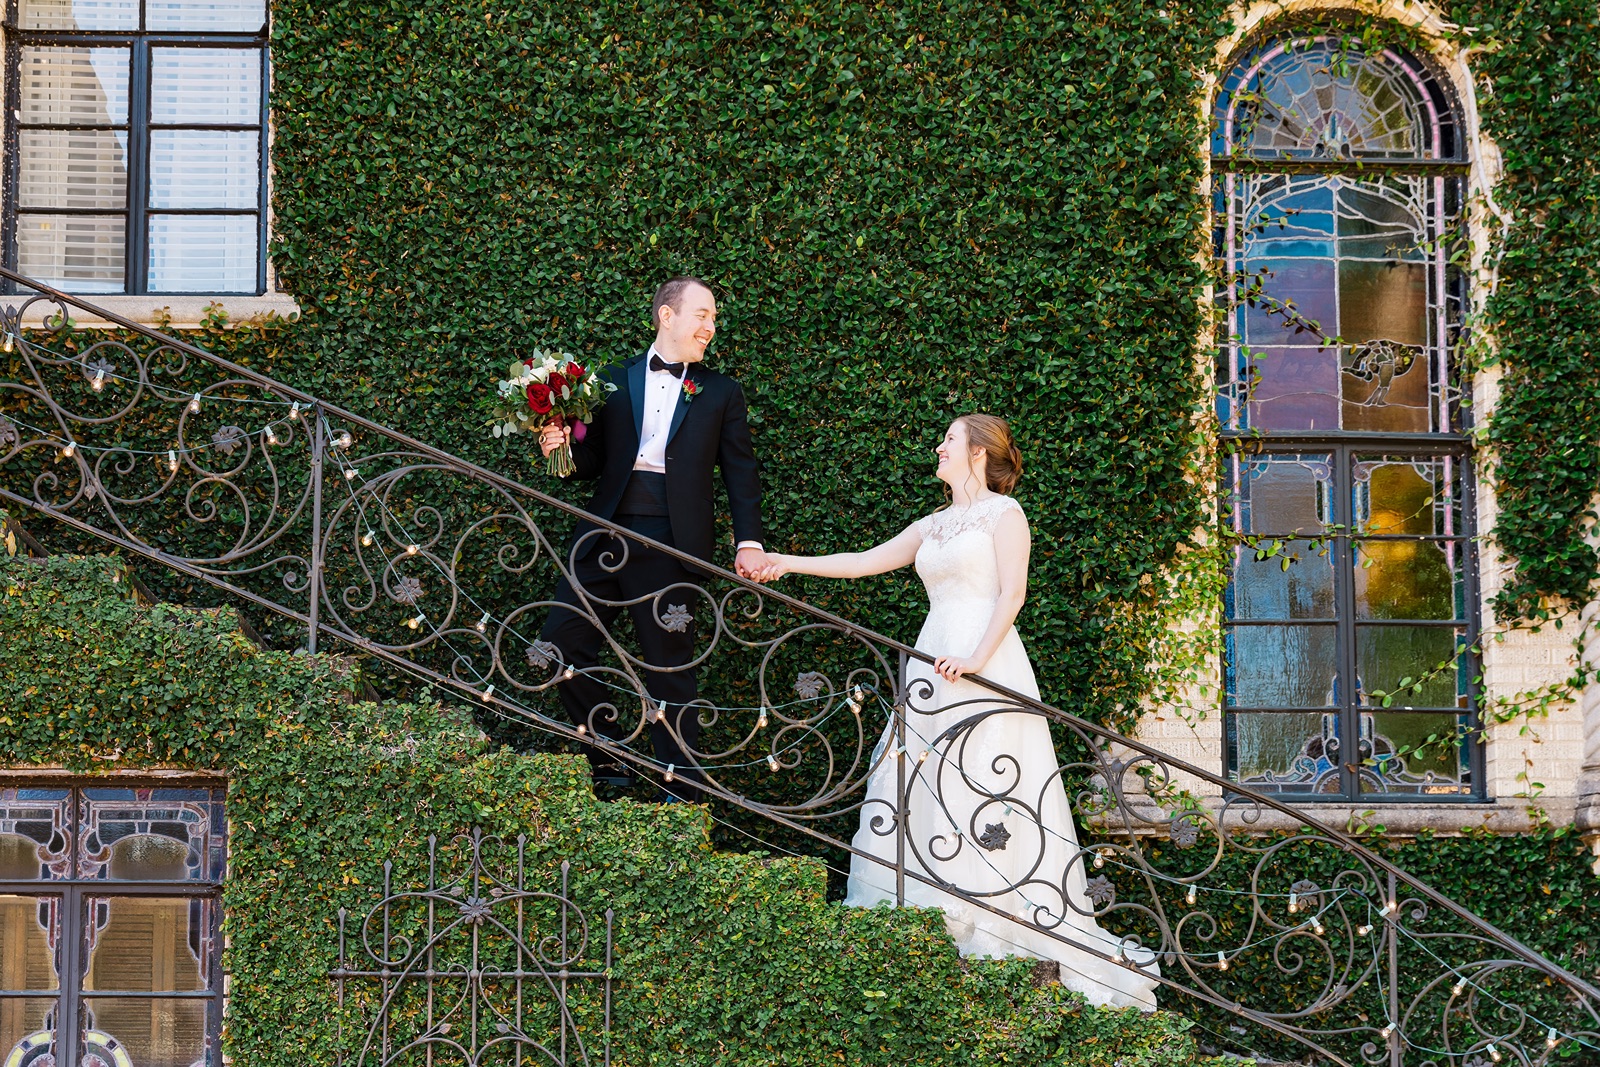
(636, 397)
(680, 412)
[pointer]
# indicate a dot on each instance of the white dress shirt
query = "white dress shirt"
(663, 393)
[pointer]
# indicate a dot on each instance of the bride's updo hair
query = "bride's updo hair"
(1003, 464)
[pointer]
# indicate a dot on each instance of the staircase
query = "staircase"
(368, 540)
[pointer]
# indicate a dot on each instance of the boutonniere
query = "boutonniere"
(691, 389)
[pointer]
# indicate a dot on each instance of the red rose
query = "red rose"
(575, 373)
(556, 383)
(539, 397)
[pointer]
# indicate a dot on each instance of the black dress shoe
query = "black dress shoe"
(613, 774)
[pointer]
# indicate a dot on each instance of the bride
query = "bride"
(986, 810)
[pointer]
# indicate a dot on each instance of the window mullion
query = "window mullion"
(68, 1032)
(138, 238)
(1344, 593)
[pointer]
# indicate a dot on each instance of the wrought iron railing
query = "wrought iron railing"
(374, 541)
(478, 964)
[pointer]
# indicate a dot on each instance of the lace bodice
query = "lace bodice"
(957, 559)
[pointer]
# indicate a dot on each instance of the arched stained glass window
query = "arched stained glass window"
(1339, 178)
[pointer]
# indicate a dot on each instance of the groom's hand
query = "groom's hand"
(553, 437)
(750, 563)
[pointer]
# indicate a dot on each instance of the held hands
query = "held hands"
(752, 563)
(773, 565)
(951, 668)
(553, 437)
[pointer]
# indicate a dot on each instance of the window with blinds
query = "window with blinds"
(109, 916)
(137, 159)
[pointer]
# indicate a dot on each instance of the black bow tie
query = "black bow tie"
(674, 369)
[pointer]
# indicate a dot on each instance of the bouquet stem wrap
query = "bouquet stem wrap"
(559, 463)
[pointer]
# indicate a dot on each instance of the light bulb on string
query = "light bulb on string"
(10, 343)
(414, 622)
(772, 762)
(1551, 1040)
(70, 451)
(1386, 1031)
(761, 720)
(482, 624)
(568, 674)
(349, 474)
(172, 461)
(98, 382)
(1458, 989)
(1099, 860)
(1494, 1053)
(344, 440)
(582, 730)
(670, 768)
(1222, 961)
(366, 539)
(294, 410)
(1364, 929)
(194, 405)
(1388, 909)
(1191, 896)
(272, 438)
(488, 694)
(412, 550)
(1318, 928)
(1294, 902)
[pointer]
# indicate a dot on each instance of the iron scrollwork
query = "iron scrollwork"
(474, 967)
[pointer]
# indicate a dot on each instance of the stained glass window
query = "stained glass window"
(109, 920)
(1339, 179)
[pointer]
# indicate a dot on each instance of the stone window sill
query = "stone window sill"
(1399, 820)
(182, 312)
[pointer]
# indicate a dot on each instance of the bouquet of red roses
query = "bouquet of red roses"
(548, 389)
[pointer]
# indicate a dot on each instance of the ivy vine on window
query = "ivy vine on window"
(1339, 176)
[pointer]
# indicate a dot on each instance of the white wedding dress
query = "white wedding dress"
(988, 813)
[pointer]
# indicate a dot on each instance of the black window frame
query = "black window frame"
(74, 895)
(1341, 539)
(136, 211)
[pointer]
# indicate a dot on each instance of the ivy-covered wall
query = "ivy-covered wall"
(722, 959)
(1538, 68)
(909, 212)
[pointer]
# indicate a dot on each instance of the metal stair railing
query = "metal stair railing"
(376, 542)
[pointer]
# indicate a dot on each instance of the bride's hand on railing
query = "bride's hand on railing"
(951, 668)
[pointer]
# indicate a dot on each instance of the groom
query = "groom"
(653, 446)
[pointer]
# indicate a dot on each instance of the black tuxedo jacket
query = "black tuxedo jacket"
(711, 430)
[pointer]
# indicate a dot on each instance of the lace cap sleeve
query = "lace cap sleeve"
(997, 507)
(948, 522)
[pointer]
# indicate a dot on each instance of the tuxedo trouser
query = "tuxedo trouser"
(589, 701)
